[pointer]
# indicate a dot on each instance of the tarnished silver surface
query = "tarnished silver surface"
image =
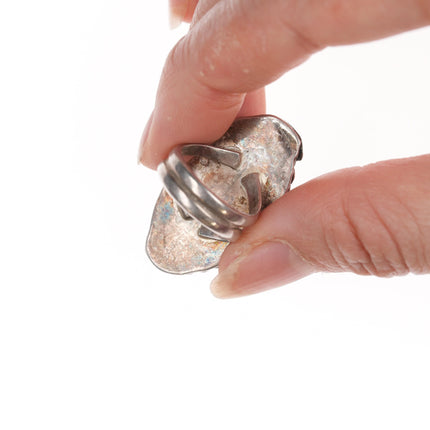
(198, 201)
(215, 191)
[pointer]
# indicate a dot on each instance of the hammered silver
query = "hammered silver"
(269, 147)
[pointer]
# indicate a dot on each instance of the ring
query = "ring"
(201, 203)
(212, 192)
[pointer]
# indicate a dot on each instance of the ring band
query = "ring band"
(201, 203)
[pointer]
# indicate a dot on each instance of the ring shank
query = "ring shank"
(201, 203)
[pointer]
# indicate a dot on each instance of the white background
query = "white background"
(92, 336)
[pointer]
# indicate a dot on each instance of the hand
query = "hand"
(371, 220)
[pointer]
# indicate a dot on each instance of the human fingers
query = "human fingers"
(189, 10)
(239, 46)
(373, 220)
(181, 11)
(254, 103)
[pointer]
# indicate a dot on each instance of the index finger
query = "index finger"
(240, 46)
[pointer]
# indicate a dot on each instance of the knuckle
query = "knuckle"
(380, 251)
(361, 238)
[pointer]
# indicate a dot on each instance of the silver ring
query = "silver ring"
(211, 192)
(202, 204)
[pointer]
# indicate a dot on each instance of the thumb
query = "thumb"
(372, 220)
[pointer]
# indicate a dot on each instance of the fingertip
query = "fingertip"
(181, 11)
(177, 12)
(259, 268)
(204, 119)
(254, 103)
(143, 155)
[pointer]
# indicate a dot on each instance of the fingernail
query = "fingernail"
(267, 266)
(144, 138)
(177, 12)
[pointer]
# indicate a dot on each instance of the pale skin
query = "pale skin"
(372, 220)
